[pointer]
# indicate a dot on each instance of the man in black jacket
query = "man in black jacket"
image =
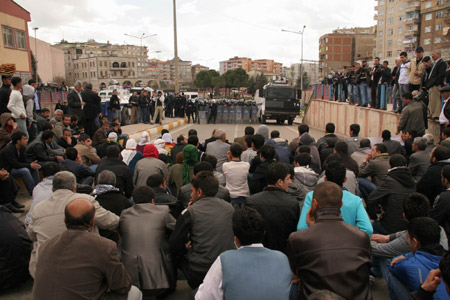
(384, 82)
(112, 162)
(5, 91)
(444, 117)
(258, 180)
(375, 75)
(72, 163)
(91, 110)
(441, 207)
(114, 106)
(279, 210)
(14, 160)
(162, 197)
(430, 185)
(388, 197)
(434, 82)
(41, 151)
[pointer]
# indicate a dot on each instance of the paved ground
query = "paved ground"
(204, 131)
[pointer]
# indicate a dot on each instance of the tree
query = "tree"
(218, 83)
(59, 80)
(255, 83)
(204, 79)
(305, 81)
(33, 67)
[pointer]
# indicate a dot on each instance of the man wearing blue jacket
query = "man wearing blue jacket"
(409, 271)
(352, 210)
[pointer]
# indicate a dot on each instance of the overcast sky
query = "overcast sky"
(209, 31)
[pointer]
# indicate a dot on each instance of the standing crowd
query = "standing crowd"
(372, 86)
(257, 218)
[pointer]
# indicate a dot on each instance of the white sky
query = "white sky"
(209, 31)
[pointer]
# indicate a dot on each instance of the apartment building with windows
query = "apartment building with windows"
(435, 26)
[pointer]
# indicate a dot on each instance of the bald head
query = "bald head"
(79, 214)
(328, 194)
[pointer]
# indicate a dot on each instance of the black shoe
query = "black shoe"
(13, 209)
(17, 205)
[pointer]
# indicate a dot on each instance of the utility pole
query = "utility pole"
(301, 58)
(177, 88)
(35, 55)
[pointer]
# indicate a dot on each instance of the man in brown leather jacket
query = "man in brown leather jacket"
(330, 254)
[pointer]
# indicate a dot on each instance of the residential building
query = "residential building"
(159, 71)
(50, 60)
(184, 71)
(311, 67)
(15, 43)
(435, 26)
(267, 66)
(104, 63)
(197, 68)
(236, 63)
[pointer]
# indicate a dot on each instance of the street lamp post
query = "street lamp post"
(301, 59)
(175, 45)
(143, 36)
(35, 55)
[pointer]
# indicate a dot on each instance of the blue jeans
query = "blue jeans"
(30, 177)
(143, 115)
(380, 267)
(22, 125)
(93, 167)
(397, 289)
(123, 137)
(238, 200)
(396, 101)
(352, 93)
(403, 89)
(364, 92)
(365, 187)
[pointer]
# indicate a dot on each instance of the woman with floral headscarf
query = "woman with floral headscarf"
(181, 174)
(145, 140)
(169, 142)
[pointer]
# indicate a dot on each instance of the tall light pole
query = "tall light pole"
(143, 36)
(175, 45)
(35, 55)
(301, 59)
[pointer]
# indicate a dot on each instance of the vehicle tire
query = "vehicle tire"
(290, 121)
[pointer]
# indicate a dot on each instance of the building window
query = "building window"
(381, 22)
(427, 29)
(400, 41)
(400, 29)
(389, 54)
(439, 14)
(428, 17)
(101, 64)
(428, 4)
(426, 41)
(400, 7)
(389, 42)
(438, 27)
(21, 39)
(381, 2)
(400, 18)
(437, 40)
(440, 2)
(390, 31)
(380, 33)
(381, 12)
(8, 37)
(391, 10)
(390, 20)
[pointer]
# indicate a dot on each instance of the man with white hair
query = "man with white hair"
(75, 102)
(219, 148)
(434, 82)
(57, 118)
(47, 218)
(430, 142)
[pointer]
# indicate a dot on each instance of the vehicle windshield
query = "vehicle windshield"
(286, 93)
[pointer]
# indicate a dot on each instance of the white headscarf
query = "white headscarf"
(160, 144)
(167, 138)
(144, 140)
(129, 152)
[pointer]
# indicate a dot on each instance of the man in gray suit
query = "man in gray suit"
(75, 102)
(419, 161)
(219, 148)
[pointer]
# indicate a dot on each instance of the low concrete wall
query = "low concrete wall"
(157, 129)
(372, 121)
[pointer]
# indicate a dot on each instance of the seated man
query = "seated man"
(407, 271)
(67, 140)
(72, 163)
(303, 173)
(60, 126)
(252, 271)
(441, 206)
(95, 269)
(15, 250)
(159, 185)
(185, 192)
(257, 181)
(324, 255)
(100, 136)
(385, 247)
(112, 162)
(110, 141)
(376, 166)
(419, 161)
(280, 210)
(360, 155)
(148, 260)
(388, 197)
(207, 228)
(15, 161)
(352, 210)
(43, 190)
(88, 153)
(41, 150)
(47, 218)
